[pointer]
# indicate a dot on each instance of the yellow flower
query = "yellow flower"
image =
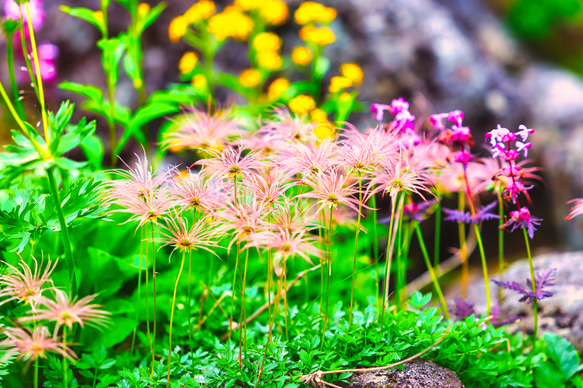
(319, 116)
(353, 72)
(266, 41)
(301, 55)
(345, 97)
(230, 23)
(274, 12)
(177, 28)
(277, 88)
(98, 15)
(187, 62)
(204, 9)
(311, 12)
(269, 60)
(302, 104)
(247, 5)
(319, 35)
(250, 78)
(324, 131)
(339, 83)
(143, 9)
(199, 81)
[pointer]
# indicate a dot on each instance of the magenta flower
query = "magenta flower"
(577, 208)
(522, 219)
(501, 139)
(47, 55)
(37, 13)
(378, 110)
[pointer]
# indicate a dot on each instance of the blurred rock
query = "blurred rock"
(560, 314)
(416, 374)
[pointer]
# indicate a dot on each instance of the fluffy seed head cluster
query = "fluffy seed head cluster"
(25, 285)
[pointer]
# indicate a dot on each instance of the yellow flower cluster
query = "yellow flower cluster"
(187, 62)
(177, 28)
(267, 45)
(274, 12)
(277, 88)
(322, 36)
(231, 23)
(250, 78)
(302, 104)
(352, 75)
(202, 10)
(301, 55)
(143, 9)
(312, 12)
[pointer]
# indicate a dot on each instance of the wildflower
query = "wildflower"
(463, 308)
(274, 12)
(365, 151)
(285, 127)
(318, 115)
(285, 245)
(201, 10)
(25, 285)
(246, 218)
(377, 111)
(270, 187)
(339, 83)
(66, 312)
(309, 159)
(302, 104)
(482, 214)
(47, 56)
(522, 219)
(292, 217)
(37, 13)
(324, 131)
(541, 280)
(232, 164)
(177, 28)
(266, 41)
(577, 208)
(203, 234)
(200, 130)
(230, 24)
(394, 178)
(332, 189)
(310, 12)
(197, 191)
(200, 81)
(187, 62)
(301, 55)
(417, 211)
(277, 88)
(143, 9)
(501, 139)
(269, 60)
(353, 72)
(322, 36)
(250, 78)
(31, 345)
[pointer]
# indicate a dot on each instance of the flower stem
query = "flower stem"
(533, 283)
(35, 383)
(463, 248)
(64, 232)
(65, 382)
(139, 291)
(484, 268)
(431, 271)
(172, 317)
(375, 245)
(13, 84)
(355, 250)
(154, 286)
(437, 238)
(500, 245)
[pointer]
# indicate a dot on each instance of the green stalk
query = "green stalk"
(172, 317)
(500, 245)
(65, 358)
(375, 245)
(431, 271)
(388, 257)
(139, 290)
(25, 51)
(484, 268)
(533, 283)
(35, 382)
(154, 285)
(400, 283)
(355, 250)
(233, 291)
(437, 239)
(243, 313)
(95, 378)
(64, 232)
(10, 63)
(147, 294)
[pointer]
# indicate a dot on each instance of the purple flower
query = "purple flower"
(500, 139)
(464, 308)
(522, 219)
(417, 211)
(497, 322)
(47, 55)
(378, 110)
(37, 13)
(483, 214)
(544, 279)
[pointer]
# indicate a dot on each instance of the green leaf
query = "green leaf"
(85, 14)
(321, 67)
(112, 51)
(89, 91)
(149, 18)
(93, 149)
(298, 88)
(563, 354)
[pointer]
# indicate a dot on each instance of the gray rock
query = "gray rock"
(416, 374)
(560, 314)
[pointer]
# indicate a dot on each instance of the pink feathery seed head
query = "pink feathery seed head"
(310, 158)
(522, 219)
(232, 164)
(29, 345)
(204, 234)
(197, 129)
(394, 178)
(576, 209)
(37, 13)
(291, 216)
(378, 110)
(147, 209)
(285, 128)
(270, 187)
(199, 191)
(245, 218)
(63, 311)
(331, 189)
(362, 150)
(26, 285)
